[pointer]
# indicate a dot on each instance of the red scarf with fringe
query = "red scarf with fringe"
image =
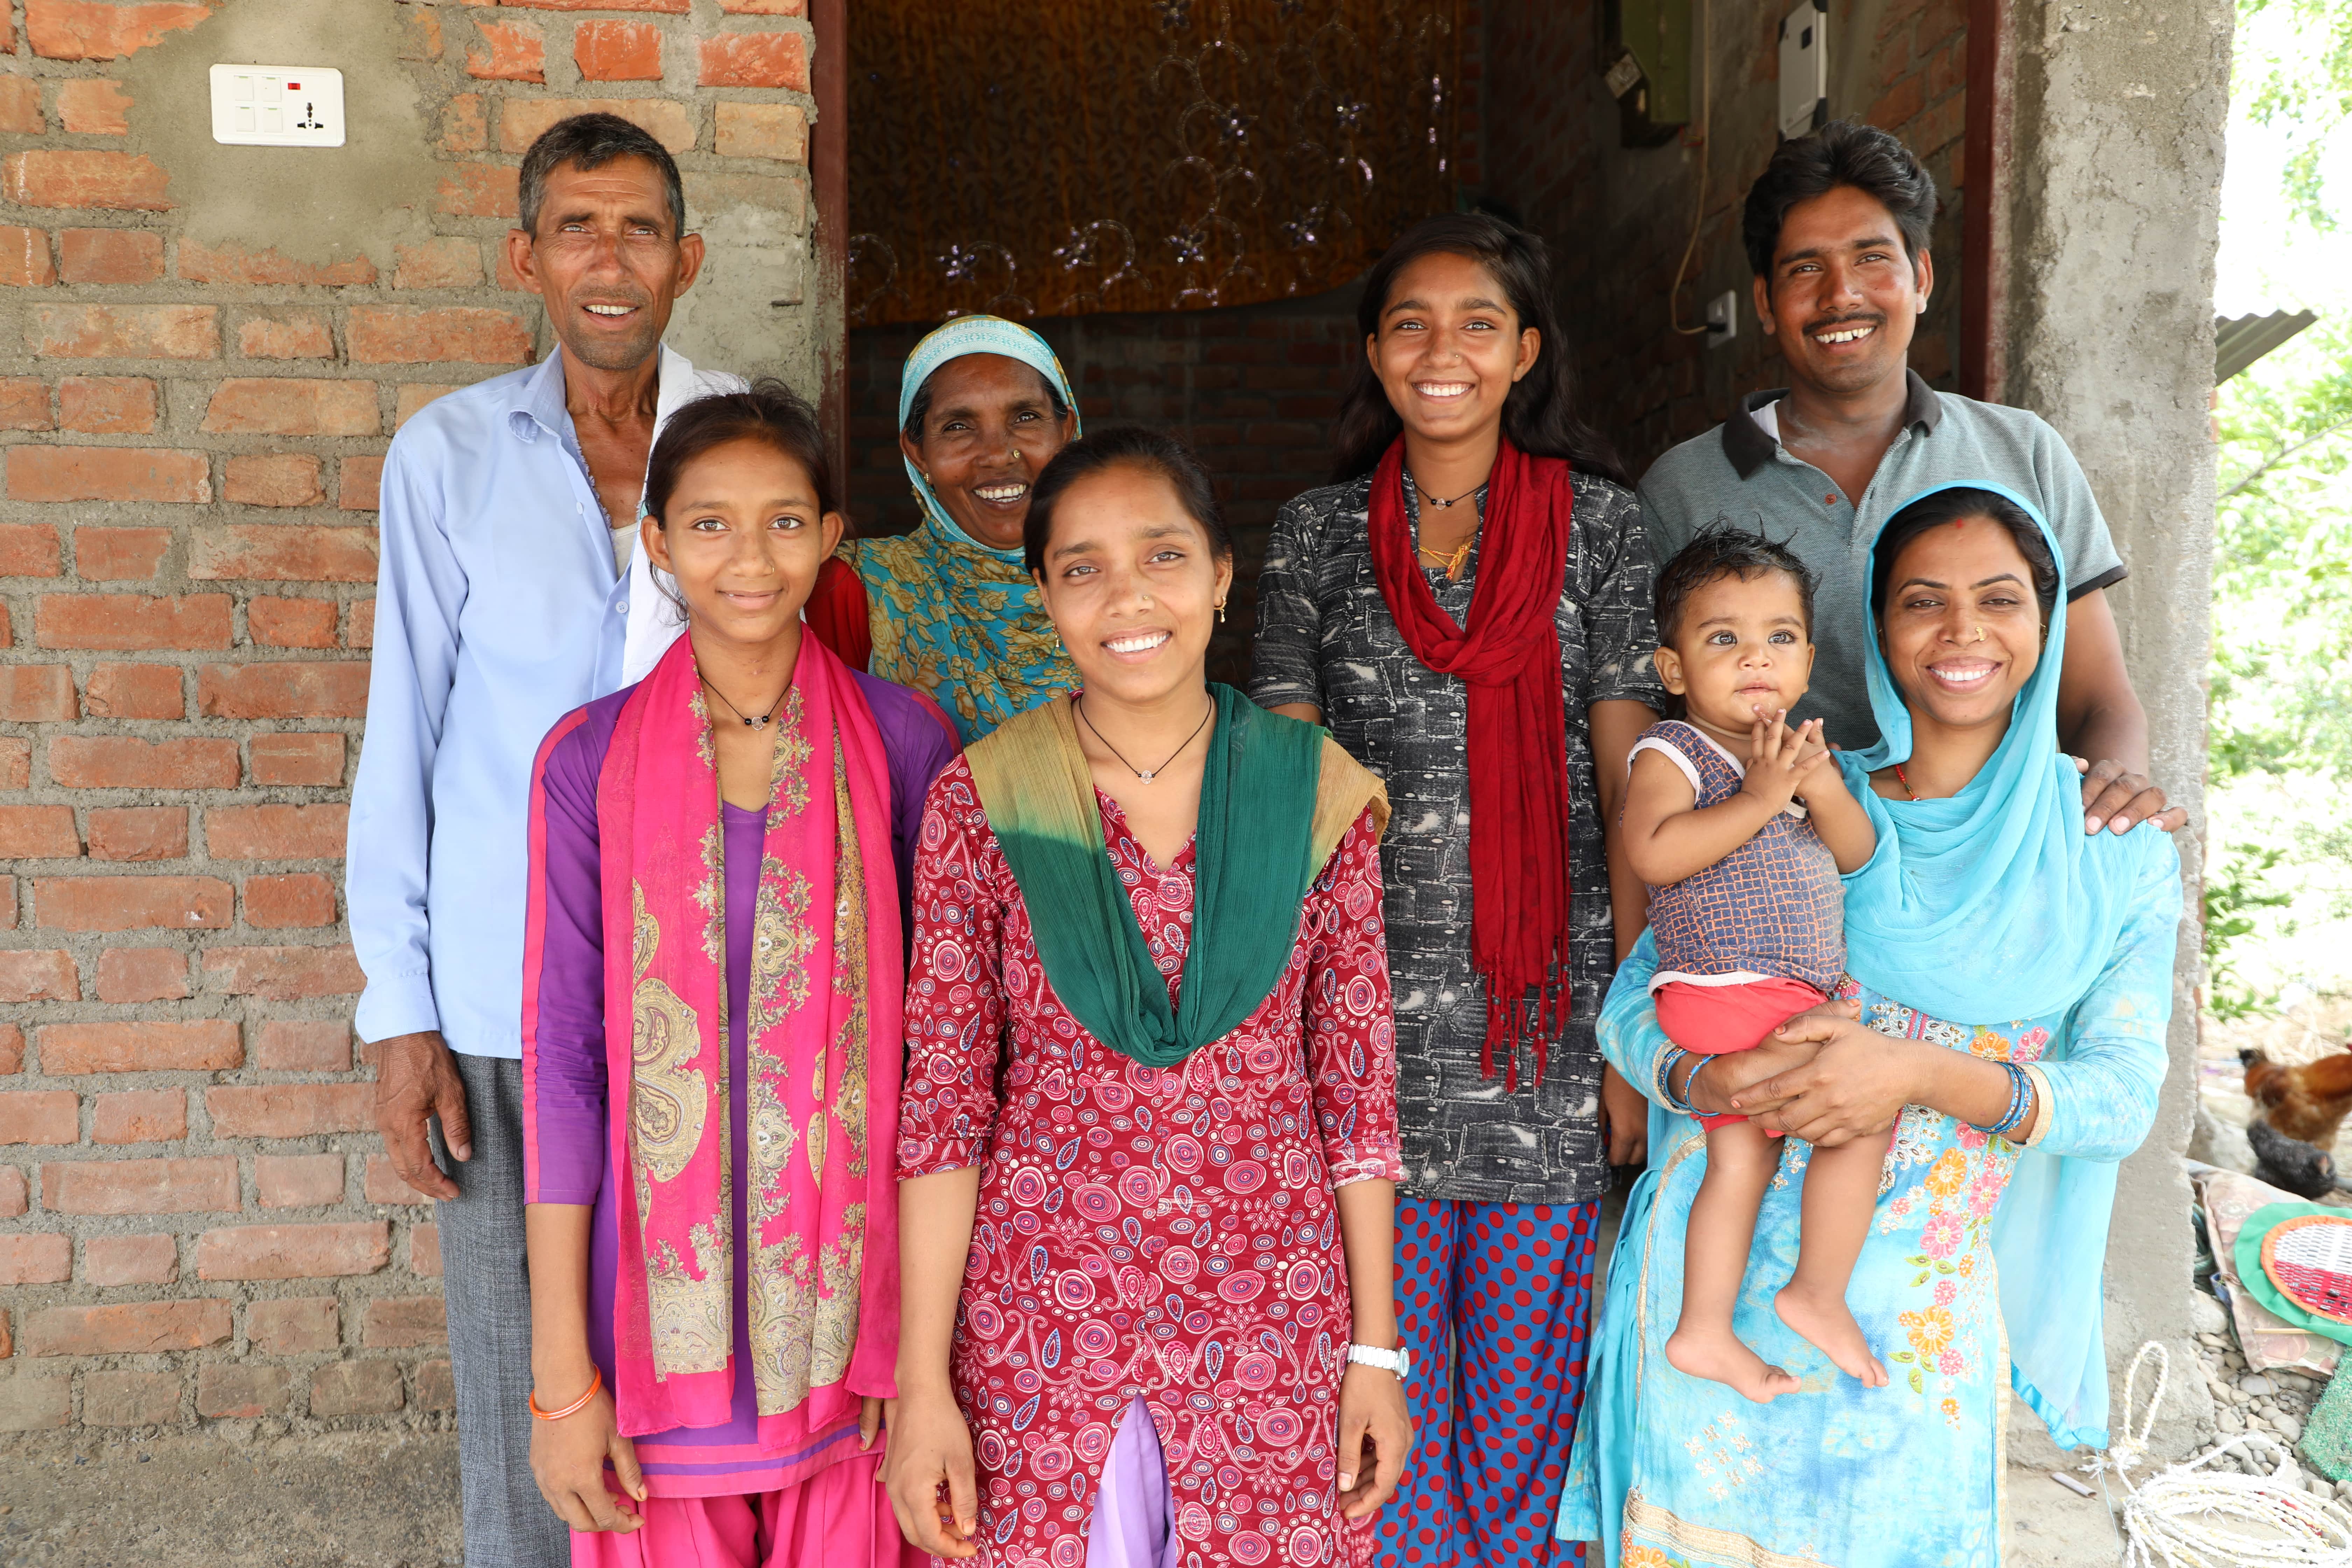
(1509, 656)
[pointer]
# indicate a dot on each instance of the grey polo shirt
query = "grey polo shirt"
(1739, 474)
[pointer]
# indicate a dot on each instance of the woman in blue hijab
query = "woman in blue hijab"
(949, 609)
(2014, 979)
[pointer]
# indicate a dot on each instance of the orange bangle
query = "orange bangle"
(575, 1407)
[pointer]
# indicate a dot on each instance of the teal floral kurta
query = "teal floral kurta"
(1835, 1473)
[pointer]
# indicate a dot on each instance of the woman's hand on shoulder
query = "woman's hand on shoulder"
(1375, 1435)
(2118, 800)
(931, 1446)
(567, 1459)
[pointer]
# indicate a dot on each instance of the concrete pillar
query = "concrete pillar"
(2109, 177)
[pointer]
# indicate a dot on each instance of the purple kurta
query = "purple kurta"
(565, 1117)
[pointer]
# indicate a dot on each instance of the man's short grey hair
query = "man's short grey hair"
(590, 142)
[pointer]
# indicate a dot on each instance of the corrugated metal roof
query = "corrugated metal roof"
(2240, 341)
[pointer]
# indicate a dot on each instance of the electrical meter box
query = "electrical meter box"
(1805, 69)
(1648, 45)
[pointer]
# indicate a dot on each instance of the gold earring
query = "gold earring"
(1221, 612)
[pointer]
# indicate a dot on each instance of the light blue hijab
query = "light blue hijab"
(1995, 904)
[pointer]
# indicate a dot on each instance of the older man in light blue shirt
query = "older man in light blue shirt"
(511, 591)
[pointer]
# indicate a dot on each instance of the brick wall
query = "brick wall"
(196, 1226)
(1253, 389)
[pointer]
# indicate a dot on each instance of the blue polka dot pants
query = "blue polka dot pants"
(1495, 1301)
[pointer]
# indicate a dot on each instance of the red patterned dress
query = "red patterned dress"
(1168, 1233)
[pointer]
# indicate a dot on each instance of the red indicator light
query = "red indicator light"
(293, 86)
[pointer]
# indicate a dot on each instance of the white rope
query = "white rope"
(2186, 1516)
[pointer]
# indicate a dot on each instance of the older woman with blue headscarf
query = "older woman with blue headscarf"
(949, 609)
(2014, 979)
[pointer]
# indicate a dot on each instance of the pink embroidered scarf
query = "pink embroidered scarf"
(821, 1052)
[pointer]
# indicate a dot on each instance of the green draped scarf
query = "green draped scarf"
(1276, 796)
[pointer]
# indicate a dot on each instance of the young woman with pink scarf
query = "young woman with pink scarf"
(713, 969)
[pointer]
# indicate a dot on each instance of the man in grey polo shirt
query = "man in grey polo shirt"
(1836, 229)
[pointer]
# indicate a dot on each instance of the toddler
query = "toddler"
(1743, 861)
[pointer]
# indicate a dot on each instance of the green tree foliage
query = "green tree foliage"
(2308, 93)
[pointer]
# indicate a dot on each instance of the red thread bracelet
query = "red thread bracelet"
(575, 1407)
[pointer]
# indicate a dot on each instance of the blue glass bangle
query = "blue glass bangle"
(2021, 1102)
(1665, 1084)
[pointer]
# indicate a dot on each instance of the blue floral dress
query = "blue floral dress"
(1671, 1471)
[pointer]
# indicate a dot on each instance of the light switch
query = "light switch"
(280, 106)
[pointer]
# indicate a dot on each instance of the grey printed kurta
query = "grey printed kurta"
(1325, 637)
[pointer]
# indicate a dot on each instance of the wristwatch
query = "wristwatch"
(1398, 1361)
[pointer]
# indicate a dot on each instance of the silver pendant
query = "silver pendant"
(1143, 778)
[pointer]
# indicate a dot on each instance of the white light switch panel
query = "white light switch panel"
(278, 106)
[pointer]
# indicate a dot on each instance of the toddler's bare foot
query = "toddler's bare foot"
(1721, 1358)
(1831, 1329)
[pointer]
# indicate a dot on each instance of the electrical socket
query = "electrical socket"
(1723, 318)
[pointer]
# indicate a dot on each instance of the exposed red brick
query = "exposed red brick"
(362, 479)
(411, 397)
(200, 263)
(136, 1328)
(293, 1325)
(12, 1048)
(291, 1045)
(119, 554)
(15, 773)
(755, 60)
(131, 1399)
(30, 1403)
(131, 903)
(130, 1260)
(355, 1388)
(38, 833)
(294, 1251)
(479, 189)
(101, 30)
(298, 1181)
(403, 1322)
(420, 35)
(139, 832)
(30, 550)
(40, 1116)
(124, 762)
(292, 335)
(617, 51)
(227, 1392)
(300, 900)
(110, 254)
(39, 1258)
(424, 1252)
(59, 177)
(205, 1184)
(287, 406)
(108, 473)
(142, 1115)
(447, 262)
(437, 1388)
(135, 691)
(765, 7)
(276, 832)
(382, 1184)
(20, 107)
(93, 106)
(16, 1197)
(522, 120)
(143, 974)
(282, 691)
(464, 127)
(24, 404)
(25, 257)
(131, 620)
(284, 973)
(272, 479)
(201, 1045)
(359, 628)
(1899, 102)
(298, 759)
(291, 623)
(275, 553)
(777, 131)
(508, 52)
(29, 975)
(107, 405)
(33, 693)
(396, 334)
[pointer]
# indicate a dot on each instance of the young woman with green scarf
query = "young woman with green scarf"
(1147, 1140)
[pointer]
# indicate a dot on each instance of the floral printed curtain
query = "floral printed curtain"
(1093, 155)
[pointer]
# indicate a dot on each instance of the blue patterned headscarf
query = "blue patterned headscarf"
(1995, 904)
(950, 616)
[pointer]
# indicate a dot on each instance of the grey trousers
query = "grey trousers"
(485, 1283)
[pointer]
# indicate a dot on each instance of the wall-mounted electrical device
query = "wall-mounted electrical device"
(278, 106)
(1805, 69)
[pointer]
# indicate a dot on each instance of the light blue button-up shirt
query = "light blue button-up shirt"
(498, 609)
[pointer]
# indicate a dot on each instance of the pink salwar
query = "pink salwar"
(839, 1518)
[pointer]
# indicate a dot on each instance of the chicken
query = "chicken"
(2282, 1162)
(2307, 1103)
